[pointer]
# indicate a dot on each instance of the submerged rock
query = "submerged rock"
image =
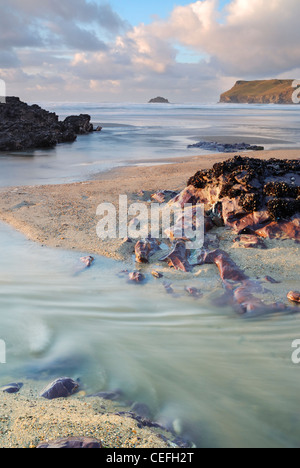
(113, 395)
(80, 124)
(60, 388)
(194, 292)
(71, 443)
(240, 289)
(159, 100)
(136, 277)
(142, 410)
(88, 261)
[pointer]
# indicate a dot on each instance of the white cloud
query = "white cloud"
(86, 45)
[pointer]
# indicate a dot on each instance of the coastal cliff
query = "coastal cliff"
(260, 92)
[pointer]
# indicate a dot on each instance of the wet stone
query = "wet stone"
(294, 296)
(72, 442)
(60, 388)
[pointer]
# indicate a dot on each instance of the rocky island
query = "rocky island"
(260, 92)
(159, 100)
(25, 127)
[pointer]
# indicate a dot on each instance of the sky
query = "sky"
(132, 51)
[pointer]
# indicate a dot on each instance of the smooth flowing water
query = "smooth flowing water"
(225, 381)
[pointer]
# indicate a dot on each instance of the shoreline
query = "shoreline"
(64, 216)
(26, 420)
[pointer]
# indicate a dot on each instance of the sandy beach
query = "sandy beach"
(64, 216)
(27, 420)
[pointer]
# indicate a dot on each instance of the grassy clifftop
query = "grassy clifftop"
(262, 92)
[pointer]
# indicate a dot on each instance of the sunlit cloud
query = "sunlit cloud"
(195, 53)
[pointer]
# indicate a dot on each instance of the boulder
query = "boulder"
(24, 127)
(80, 124)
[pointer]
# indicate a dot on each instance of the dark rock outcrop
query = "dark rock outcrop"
(136, 277)
(225, 147)
(24, 127)
(240, 290)
(159, 100)
(260, 92)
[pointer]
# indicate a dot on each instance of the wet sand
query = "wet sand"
(27, 420)
(64, 216)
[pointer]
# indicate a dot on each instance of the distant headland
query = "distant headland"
(263, 92)
(24, 127)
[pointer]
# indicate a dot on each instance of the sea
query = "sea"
(216, 379)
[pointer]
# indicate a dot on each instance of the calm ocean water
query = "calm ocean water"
(138, 134)
(227, 382)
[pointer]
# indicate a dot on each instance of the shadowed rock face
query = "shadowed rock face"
(24, 127)
(260, 91)
(159, 100)
(253, 196)
(225, 147)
